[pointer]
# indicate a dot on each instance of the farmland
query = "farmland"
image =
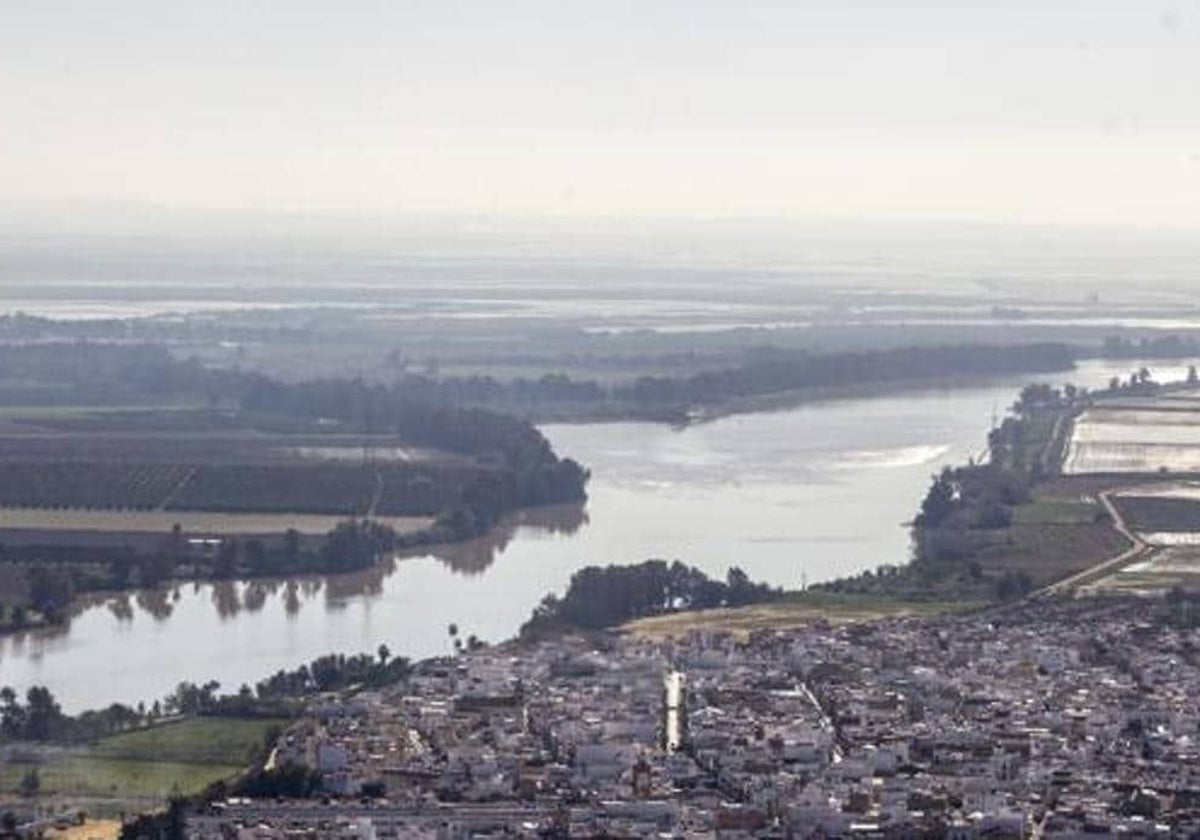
(199, 523)
(77, 474)
(1137, 436)
(299, 486)
(218, 474)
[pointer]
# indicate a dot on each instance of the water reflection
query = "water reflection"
(121, 608)
(158, 603)
(474, 557)
(291, 599)
(226, 599)
(230, 598)
(255, 596)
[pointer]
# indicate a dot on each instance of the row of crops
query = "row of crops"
(1159, 513)
(319, 488)
(103, 485)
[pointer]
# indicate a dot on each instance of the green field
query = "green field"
(183, 757)
(1050, 510)
(795, 608)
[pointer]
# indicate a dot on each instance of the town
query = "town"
(1050, 718)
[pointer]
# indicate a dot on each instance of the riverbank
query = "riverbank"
(817, 493)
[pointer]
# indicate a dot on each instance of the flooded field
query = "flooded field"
(1146, 436)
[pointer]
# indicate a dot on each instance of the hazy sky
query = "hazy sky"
(1034, 110)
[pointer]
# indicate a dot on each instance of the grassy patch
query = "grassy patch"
(183, 757)
(1048, 552)
(196, 740)
(794, 609)
(82, 775)
(1057, 511)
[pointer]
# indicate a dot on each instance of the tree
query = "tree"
(12, 714)
(31, 782)
(225, 564)
(291, 547)
(43, 714)
(939, 501)
(168, 825)
(384, 654)
(50, 589)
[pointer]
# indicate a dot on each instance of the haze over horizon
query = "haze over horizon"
(1038, 113)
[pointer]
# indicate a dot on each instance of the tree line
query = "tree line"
(53, 574)
(416, 404)
(38, 717)
(766, 370)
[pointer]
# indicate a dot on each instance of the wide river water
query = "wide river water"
(807, 494)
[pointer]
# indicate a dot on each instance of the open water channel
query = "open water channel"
(807, 494)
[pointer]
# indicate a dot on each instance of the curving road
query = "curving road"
(1137, 548)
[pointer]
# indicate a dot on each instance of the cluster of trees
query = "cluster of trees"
(352, 545)
(54, 573)
(600, 597)
(524, 470)
(290, 781)
(40, 718)
(335, 671)
(272, 696)
(170, 824)
(103, 373)
(974, 497)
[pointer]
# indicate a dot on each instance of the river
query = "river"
(795, 496)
